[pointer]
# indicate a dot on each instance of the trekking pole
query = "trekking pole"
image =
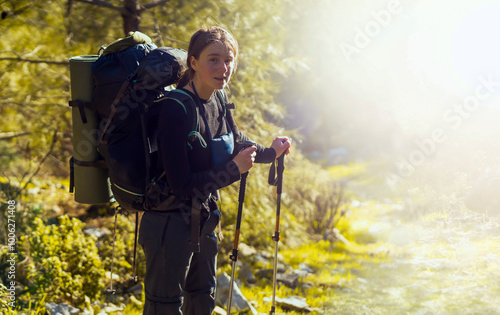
(111, 290)
(234, 255)
(276, 181)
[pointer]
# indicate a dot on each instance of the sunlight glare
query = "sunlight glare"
(476, 45)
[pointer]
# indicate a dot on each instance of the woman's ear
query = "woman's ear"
(193, 62)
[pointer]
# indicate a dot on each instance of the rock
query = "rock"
(301, 272)
(219, 311)
(108, 276)
(110, 308)
(117, 298)
(135, 289)
(264, 273)
(268, 273)
(291, 280)
(135, 301)
(266, 255)
(305, 268)
(292, 303)
(61, 309)
(307, 285)
(97, 232)
(259, 260)
(245, 272)
(334, 236)
(245, 251)
(239, 302)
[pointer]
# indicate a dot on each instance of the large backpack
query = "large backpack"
(129, 76)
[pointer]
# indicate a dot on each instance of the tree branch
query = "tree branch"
(104, 4)
(50, 62)
(175, 40)
(12, 135)
(153, 4)
(5, 14)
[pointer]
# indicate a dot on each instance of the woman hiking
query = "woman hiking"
(180, 280)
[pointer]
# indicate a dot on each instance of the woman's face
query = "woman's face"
(213, 68)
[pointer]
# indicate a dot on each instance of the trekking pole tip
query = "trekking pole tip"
(111, 291)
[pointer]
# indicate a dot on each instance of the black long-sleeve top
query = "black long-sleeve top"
(189, 170)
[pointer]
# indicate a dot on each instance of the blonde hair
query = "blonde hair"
(202, 39)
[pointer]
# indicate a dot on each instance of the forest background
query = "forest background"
(376, 94)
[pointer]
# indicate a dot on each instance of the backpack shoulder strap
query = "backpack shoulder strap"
(191, 110)
(224, 100)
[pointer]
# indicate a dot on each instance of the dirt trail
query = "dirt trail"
(439, 264)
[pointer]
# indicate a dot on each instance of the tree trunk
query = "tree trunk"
(130, 12)
(131, 16)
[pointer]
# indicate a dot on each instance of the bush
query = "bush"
(315, 197)
(327, 208)
(64, 264)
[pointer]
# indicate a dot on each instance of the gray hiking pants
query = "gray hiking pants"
(178, 281)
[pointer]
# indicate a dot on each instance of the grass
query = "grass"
(338, 270)
(416, 252)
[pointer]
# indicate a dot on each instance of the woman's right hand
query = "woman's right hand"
(245, 159)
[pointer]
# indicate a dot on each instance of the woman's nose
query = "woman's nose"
(224, 67)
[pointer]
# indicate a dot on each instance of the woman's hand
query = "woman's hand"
(281, 144)
(245, 159)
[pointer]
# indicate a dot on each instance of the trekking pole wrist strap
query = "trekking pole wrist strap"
(275, 171)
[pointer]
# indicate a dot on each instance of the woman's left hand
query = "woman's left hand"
(281, 144)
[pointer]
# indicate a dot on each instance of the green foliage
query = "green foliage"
(34, 94)
(33, 307)
(65, 265)
(4, 294)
